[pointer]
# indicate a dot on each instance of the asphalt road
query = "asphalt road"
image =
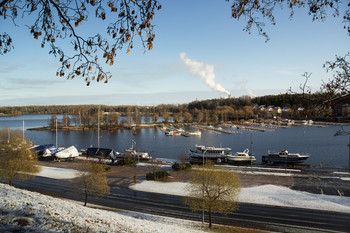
(256, 216)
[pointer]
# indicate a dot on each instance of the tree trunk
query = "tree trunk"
(86, 197)
(210, 218)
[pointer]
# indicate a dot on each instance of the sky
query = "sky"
(199, 53)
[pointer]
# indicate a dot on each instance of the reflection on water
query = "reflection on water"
(324, 147)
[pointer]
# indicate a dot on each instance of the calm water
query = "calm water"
(324, 148)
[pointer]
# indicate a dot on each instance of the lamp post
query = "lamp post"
(344, 133)
(203, 190)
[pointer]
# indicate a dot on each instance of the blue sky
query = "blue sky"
(243, 64)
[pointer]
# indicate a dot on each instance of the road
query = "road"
(249, 215)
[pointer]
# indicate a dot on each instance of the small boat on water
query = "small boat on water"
(241, 157)
(284, 157)
(210, 152)
(172, 133)
(188, 133)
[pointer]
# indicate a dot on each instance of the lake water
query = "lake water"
(324, 147)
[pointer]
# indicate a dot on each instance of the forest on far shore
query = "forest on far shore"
(293, 106)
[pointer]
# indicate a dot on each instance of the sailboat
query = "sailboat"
(104, 153)
(50, 151)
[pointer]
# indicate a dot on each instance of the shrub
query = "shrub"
(180, 166)
(107, 168)
(158, 175)
(126, 162)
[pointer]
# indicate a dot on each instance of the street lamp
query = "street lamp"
(344, 133)
(203, 189)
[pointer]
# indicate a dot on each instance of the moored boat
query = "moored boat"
(137, 154)
(284, 157)
(210, 152)
(131, 152)
(172, 133)
(241, 157)
(67, 153)
(99, 152)
(189, 133)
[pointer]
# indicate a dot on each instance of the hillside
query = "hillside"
(24, 211)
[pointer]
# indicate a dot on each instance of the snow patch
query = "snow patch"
(264, 195)
(57, 173)
(48, 214)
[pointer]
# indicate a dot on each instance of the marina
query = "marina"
(326, 150)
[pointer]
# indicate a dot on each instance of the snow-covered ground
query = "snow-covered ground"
(24, 211)
(265, 194)
(44, 213)
(57, 173)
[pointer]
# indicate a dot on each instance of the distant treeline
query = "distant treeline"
(212, 110)
(282, 100)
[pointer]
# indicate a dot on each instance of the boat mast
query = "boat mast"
(23, 130)
(251, 143)
(98, 128)
(56, 134)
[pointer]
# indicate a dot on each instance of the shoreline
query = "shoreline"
(80, 128)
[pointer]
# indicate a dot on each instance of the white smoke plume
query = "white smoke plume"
(243, 86)
(204, 72)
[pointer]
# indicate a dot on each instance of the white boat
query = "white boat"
(188, 133)
(172, 133)
(241, 157)
(210, 152)
(68, 153)
(195, 133)
(51, 151)
(285, 157)
(136, 153)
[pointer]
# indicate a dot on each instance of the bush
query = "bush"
(181, 166)
(157, 175)
(126, 162)
(107, 168)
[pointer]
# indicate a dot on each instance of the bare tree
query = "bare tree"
(53, 120)
(155, 117)
(66, 120)
(213, 190)
(178, 117)
(188, 117)
(340, 84)
(248, 111)
(92, 180)
(256, 12)
(166, 117)
(200, 117)
(113, 118)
